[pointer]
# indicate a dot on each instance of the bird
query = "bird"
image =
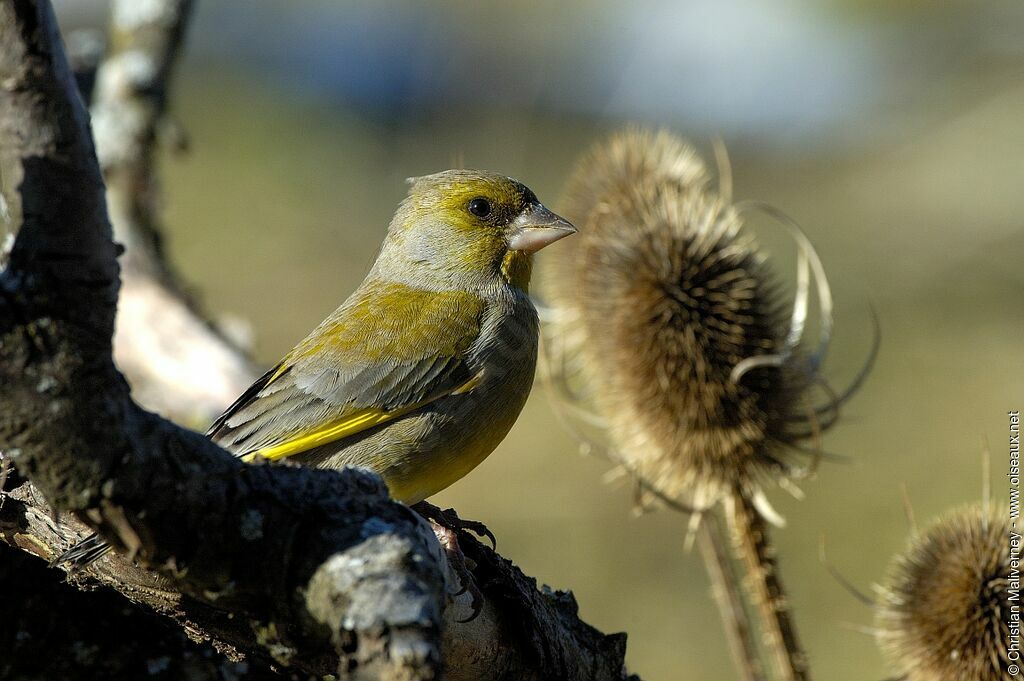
(423, 370)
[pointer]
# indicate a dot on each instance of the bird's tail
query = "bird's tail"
(83, 554)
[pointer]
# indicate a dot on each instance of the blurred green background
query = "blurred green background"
(892, 131)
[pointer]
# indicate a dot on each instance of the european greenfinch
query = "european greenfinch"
(423, 370)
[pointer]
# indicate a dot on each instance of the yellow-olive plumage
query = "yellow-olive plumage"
(423, 370)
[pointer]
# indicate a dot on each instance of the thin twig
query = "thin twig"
(908, 508)
(754, 548)
(838, 576)
(726, 591)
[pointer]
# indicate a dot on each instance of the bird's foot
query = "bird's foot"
(447, 524)
(448, 518)
(449, 540)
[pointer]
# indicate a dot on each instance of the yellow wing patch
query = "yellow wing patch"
(350, 424)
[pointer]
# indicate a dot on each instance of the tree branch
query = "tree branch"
(129, 110)
(194, 380)
(314, 569)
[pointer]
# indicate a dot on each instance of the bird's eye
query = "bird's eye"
(480, 207)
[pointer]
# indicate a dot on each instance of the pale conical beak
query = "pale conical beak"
(536, 227)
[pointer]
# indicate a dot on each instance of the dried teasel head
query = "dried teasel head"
(944, 607)
(666, 318)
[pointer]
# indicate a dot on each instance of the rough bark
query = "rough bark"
(311, 570)
(116, 642)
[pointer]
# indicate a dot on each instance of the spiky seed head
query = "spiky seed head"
(661, 298)
(944, 608)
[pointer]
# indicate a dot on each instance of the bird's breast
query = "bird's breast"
(427, 450)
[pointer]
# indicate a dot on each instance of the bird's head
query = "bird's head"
(469, 227)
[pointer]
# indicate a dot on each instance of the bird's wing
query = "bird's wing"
(389, 350)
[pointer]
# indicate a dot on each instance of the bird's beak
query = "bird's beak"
(536, 227)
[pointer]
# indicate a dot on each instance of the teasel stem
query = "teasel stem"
(714, 548)
(754, 549)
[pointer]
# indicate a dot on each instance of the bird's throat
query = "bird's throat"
(516, 268)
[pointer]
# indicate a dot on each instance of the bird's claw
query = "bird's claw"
(450, 519)
(448, 538)
(477, 528)
(477, 602)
